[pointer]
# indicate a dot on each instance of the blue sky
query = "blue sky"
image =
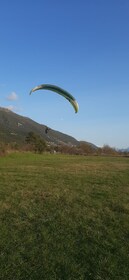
(79, 45)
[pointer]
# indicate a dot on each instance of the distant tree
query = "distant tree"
(86, 148)
(68, 149)
(40, 145)
(36, 142)
(31, 138)
(107, 150)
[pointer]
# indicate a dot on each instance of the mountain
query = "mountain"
(15, 128)
(126, 150)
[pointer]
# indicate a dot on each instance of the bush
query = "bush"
(35, 142)
(2, 149)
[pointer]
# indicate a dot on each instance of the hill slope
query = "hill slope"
(14, 128)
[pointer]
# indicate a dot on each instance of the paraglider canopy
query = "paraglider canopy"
(60, 91)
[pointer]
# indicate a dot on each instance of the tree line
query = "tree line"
(35, 143)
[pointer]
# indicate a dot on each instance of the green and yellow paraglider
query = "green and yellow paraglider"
(60, 91)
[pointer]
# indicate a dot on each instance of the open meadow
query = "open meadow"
(64, 217)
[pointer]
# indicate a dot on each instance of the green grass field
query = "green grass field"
(64, 217)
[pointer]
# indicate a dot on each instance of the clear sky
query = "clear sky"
(79, 45)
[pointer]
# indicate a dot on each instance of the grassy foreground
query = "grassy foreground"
(64, 217)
